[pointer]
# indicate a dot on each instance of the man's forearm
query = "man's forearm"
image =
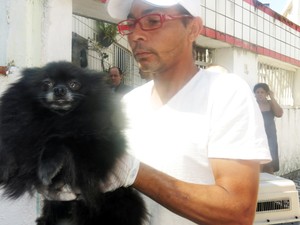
(203, 204)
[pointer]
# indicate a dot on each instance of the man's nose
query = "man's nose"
(137, 33)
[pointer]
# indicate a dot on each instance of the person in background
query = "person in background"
(116, 80)
(269, 109)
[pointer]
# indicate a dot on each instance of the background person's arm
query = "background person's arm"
(276, 108)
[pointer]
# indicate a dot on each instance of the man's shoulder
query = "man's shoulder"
(143, 90)
(127, 87)
(123, 88)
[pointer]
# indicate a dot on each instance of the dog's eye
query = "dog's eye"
(74, 85)
(47, 84)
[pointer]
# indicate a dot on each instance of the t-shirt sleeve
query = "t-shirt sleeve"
(237, 129)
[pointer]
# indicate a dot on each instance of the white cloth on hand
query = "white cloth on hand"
(123, 173)
(64, 194)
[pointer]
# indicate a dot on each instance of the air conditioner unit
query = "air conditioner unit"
(278, 201)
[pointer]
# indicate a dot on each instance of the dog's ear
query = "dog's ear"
(32, 75)
(31, 72)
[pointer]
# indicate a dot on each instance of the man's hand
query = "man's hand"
(122, 175)
(63, 193)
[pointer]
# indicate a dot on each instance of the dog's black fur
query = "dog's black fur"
(60, 125)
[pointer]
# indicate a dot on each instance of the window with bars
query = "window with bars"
(280, 81)
(98, 58)
(203, 57)
(124, 59)
(103, 58)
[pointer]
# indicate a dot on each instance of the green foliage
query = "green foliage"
(106, 33)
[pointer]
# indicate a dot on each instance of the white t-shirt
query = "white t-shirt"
(213, 116)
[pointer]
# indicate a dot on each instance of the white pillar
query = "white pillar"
(23, 27)
(296, 93)
(4, 33)
(57, 33)
(35, 32)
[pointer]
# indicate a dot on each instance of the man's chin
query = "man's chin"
(146, 66)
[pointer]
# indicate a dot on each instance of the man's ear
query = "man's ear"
(195, 28)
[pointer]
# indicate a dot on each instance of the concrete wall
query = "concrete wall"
(35, 32)
(4, 31)
(288, 133)
(23, 211)
(21, 26)
(238, 61)
(224, 57)
(297, 89)
(57, 33)
(245, 64)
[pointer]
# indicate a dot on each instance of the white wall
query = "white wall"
(35, 32)
(4, 31)
(297, 89)
(23, 36)
(224, 58)
(23, 211)
(245, 64)
(238, 61)
(57, 31)
(288, 133)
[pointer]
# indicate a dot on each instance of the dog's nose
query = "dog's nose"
(60, 91)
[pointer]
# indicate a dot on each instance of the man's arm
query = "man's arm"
(231, 201)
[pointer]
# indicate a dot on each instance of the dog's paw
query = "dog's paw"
(63, 194)
(52, 160)
(48, 170)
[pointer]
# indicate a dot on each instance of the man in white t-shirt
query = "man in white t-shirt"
(196, 137)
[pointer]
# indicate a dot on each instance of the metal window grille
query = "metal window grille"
(117, 55)
(124, 59)
(86, 28)
(280, 81)
(203, 57)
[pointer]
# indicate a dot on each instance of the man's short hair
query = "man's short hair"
(119, 69)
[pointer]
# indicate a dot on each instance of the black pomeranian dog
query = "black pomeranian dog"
(60, 127)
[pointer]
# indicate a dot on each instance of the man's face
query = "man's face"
(157, 50)
(115, 76)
